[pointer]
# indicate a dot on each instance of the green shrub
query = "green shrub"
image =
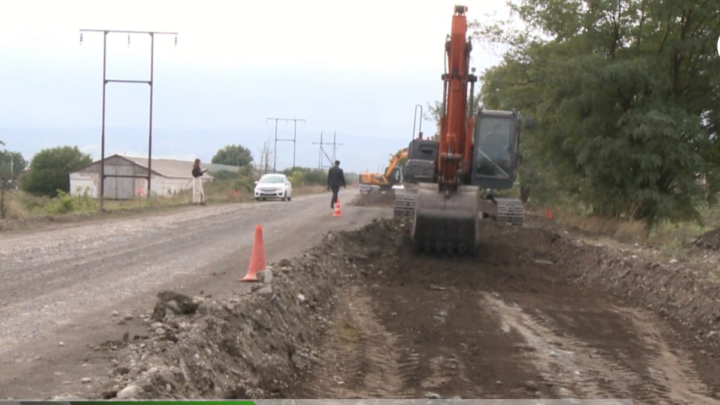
(297, 179)
(65, 203)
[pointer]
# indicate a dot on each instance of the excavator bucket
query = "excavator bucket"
(446, 222)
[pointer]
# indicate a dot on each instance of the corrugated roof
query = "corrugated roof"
(177, 168)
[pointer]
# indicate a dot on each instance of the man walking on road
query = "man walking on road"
(336, 178)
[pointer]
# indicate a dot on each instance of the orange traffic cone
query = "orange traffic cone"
(257, 260)
(337, 209)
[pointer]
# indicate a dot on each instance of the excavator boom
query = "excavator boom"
(446, 211)
(454, 140)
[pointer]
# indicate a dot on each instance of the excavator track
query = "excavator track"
(510, 210)
(404, 206)
(446, 222)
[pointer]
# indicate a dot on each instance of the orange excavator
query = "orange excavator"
(450, 180)
(392, 175)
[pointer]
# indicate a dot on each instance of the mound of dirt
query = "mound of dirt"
(709, 240)
(239, 347)
(375, 198)
(681, 294)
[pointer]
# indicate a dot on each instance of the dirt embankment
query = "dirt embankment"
(376, 198)
(709, 240)
(249, 346)
(536, 314)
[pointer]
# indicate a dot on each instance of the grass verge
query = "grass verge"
(23, 210)
(671, 240)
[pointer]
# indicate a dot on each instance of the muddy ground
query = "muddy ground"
(537, 314)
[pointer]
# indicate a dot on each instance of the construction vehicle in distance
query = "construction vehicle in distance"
(448, 182)
(392, 175)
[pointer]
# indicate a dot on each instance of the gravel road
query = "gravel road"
(66, 288)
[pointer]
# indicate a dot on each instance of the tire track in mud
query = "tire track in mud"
(463, 351)
(669, 364)
(586, 369)
(552, 354)
(360, 358)
(424, 375)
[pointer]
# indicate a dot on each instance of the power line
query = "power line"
(105, 82)
(295, 120)
(322, 150)
(335, 147)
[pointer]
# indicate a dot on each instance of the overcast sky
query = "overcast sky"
(354, 68)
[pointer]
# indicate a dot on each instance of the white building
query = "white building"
(168, 177)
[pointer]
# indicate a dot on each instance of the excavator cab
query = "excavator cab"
(495, 161)
(421, 164)
(495, 155)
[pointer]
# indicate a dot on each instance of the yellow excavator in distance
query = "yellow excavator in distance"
(392, 175)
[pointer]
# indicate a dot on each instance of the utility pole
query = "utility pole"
(2, 186)
(2, 197)
(295, 120)
(334, 148)
(105, 82)
(322, 152)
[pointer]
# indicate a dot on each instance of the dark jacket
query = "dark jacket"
(336, 177)
(196, 172)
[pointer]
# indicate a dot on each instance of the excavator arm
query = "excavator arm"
(456, 122)
(395, 161)
(446, 210)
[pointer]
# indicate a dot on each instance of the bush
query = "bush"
(309, 176)
(241, 180)
(297, 179)
(65, 203)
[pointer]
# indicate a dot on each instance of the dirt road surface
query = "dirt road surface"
(65, 290)
(508, 323)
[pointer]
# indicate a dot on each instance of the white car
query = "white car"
(276, 185)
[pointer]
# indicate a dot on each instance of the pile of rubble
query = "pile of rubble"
(245, 346)
(709, 240)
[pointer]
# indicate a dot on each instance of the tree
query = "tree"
(11, 165)
(266, 154)
(435, 112)
(233, 155)
(623, 95)
(50, 170)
